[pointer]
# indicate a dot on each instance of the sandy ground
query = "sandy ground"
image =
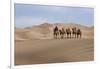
(35, 45)
(53, 51)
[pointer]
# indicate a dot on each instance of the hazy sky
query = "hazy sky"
(28, 15)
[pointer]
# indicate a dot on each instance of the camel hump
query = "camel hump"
(78, 30)
(56, 28)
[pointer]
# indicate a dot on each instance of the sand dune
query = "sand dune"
(35, 45)
(45, 31)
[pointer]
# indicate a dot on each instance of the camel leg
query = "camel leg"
(57, 36)
(77, 35)
(73, 35)
(54, 36)
(61, 36)
(64, 35)
(80, 35)
(67, 35)
(70, 36)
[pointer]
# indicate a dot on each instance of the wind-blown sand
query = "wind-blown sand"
(36, 45)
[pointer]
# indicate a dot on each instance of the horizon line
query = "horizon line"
(57, 23)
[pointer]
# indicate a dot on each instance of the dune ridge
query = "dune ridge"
(45, 31)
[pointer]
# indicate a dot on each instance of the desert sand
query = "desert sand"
(35, 45)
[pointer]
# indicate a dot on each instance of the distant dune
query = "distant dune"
(45, 31)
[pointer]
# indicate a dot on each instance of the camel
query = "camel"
(71, 33)
(74, 32)
(62, 33)
(68, 32)
(79, 33)
(55, 32)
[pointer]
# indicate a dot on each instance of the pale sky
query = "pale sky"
(29, 14)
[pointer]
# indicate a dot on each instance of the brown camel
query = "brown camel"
(74, 32)
(68, 32)
(55, 32)
(62, 33)
(71, 33)
(79, 33)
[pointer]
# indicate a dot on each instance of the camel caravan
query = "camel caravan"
(67, 33)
